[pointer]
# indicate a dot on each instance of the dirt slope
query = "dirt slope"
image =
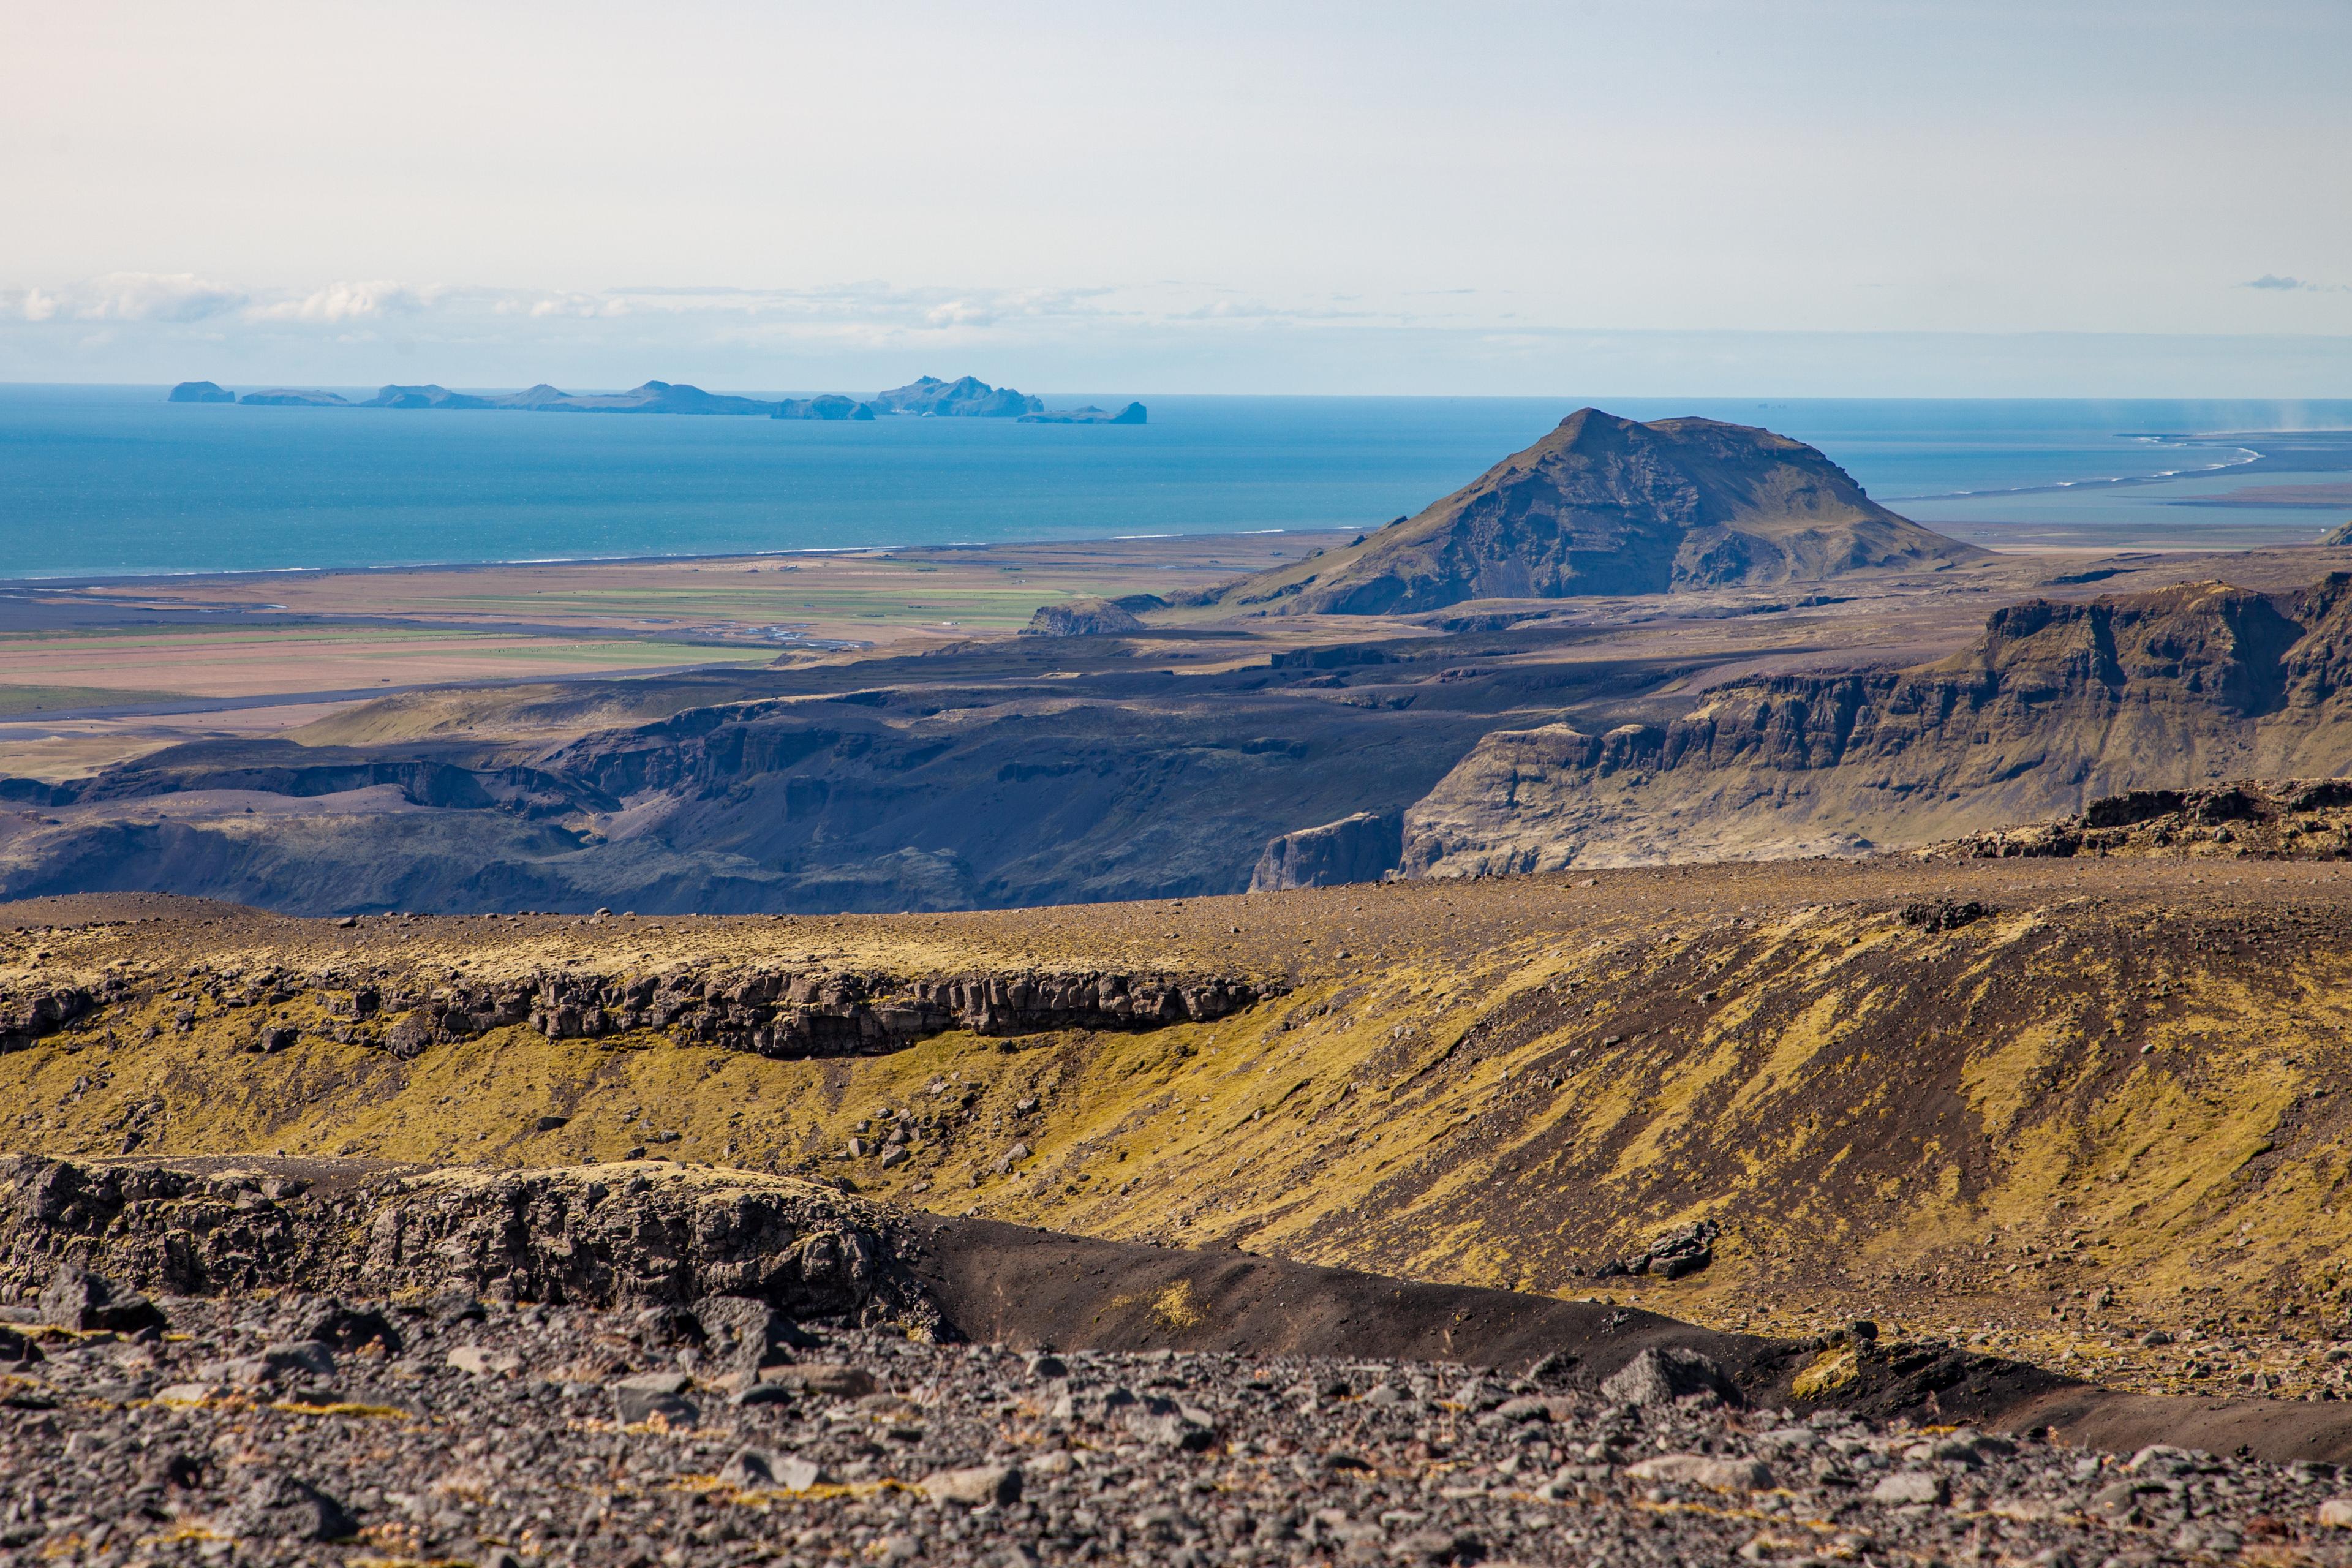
(1604, 505)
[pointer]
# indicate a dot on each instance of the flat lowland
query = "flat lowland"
(2085, 1112)
(98, 671)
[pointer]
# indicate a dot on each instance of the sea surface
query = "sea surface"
(102, 482)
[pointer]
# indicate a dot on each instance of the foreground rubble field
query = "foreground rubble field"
(637, 1365)
(301, 1429)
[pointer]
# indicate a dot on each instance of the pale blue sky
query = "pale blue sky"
(1685, 197)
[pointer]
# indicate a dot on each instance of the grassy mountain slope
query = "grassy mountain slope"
(1604, 505)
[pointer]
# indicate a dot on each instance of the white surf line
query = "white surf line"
(2246, 455)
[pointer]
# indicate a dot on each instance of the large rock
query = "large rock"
(199, 391)
(584, 1235)
(1080, 619)
(1661, 1377)
(1359, 849)
(1604, 505)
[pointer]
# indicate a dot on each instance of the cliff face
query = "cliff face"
(1604, 505)
(2054, 706)
(1359, 849)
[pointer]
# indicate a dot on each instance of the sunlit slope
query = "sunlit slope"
(2023, 1087)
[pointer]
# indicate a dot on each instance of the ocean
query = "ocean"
(112, 481)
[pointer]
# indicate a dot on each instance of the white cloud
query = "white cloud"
(339, 302)
(165, 296)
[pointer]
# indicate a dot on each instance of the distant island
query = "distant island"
(928, 397)
(1131, 415)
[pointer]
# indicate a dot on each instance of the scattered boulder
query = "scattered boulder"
(1672, 1256)
(1910, 1487)
(636, 1400)
(978, 1486)
(1662, 1376)
(1945, 914)
(77, 1298)
(1704, 1471)
(841, 1382)
(278, 1507)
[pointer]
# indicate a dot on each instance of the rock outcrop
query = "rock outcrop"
(2054, 706)
(1363, 848)
(26, 1018)
(599, 1237)
(1604, 505)
(199, 391)
(1081, 618)
(793, 1014)
(777, 1013)
(2294, 819)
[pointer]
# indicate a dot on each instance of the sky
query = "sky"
(1797, 197)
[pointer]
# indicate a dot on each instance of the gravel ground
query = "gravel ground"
(296, 1428)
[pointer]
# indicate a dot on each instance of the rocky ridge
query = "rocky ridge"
(780, 1013)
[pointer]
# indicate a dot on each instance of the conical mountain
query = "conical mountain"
(1604, 505)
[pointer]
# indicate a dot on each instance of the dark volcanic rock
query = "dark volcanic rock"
(645, 1236)
(1363, 848)
(199, 391)
(827, 1013)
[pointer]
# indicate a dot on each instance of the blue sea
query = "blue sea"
(101, 482)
